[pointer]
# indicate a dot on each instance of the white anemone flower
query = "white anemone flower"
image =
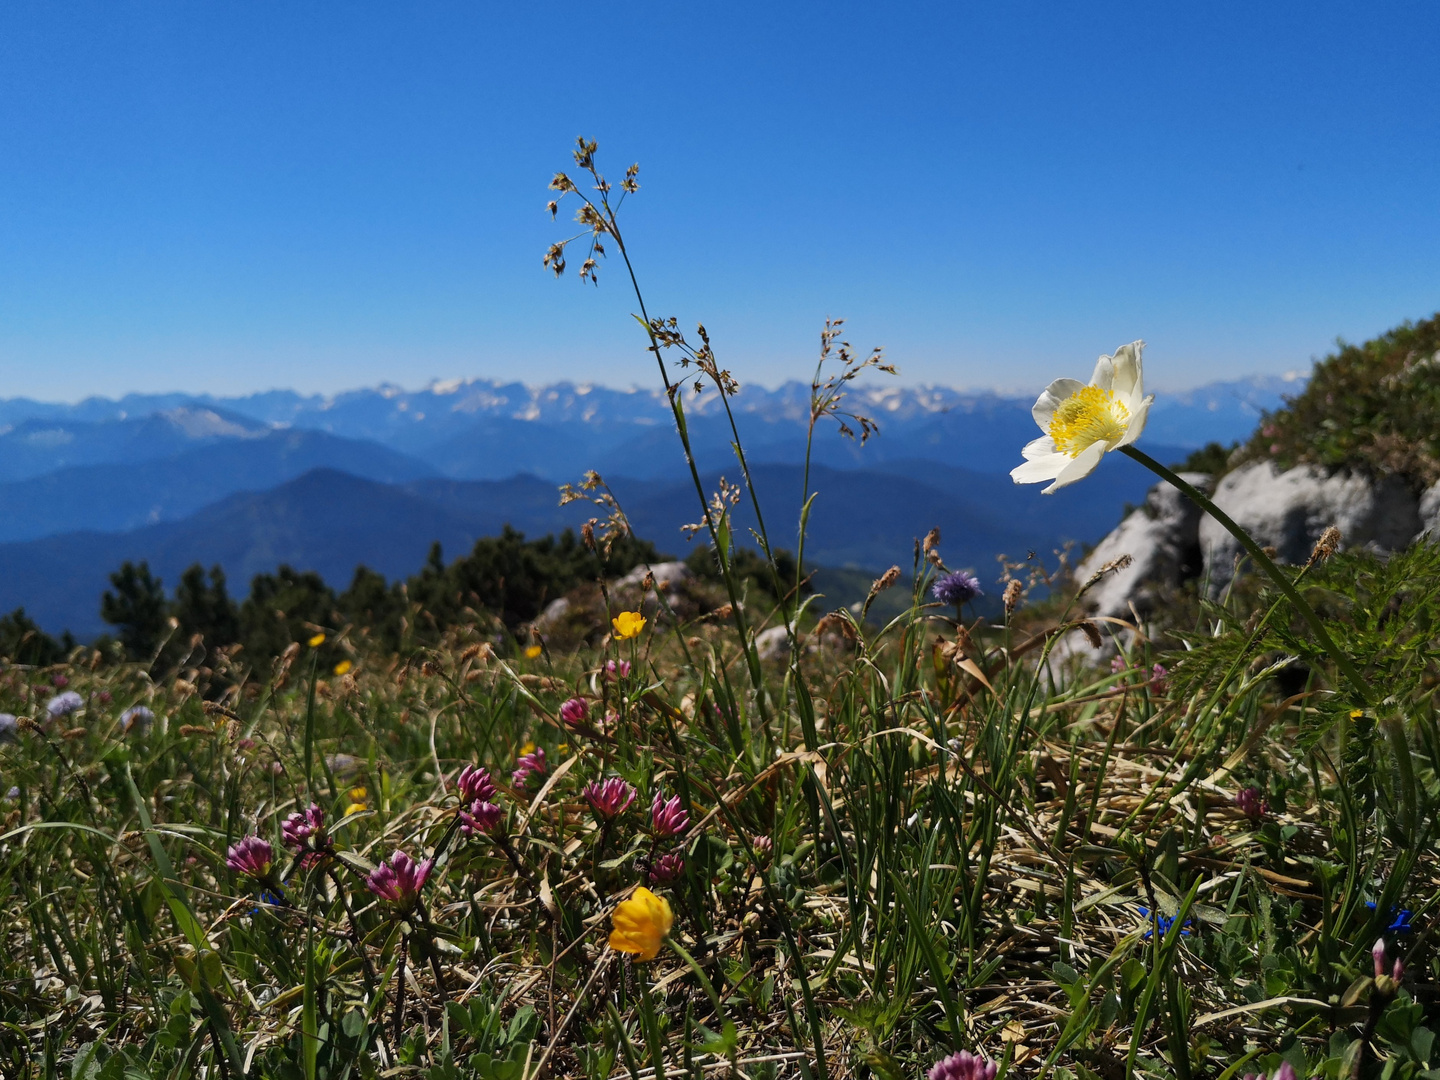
(1082, 422)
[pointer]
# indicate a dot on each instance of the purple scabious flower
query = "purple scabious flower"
(305, 830)
(532, 764)
(400, 879)
(474, 783)
(956, 589)
(610, 798)
(1250, 802)
(962, 1066)
(64, 704)
(667, 868)
(575, 712)
(480, 817)
(253, 857)
(668, 818)
(136, 718)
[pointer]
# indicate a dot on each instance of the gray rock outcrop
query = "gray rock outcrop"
(1430, 513)
(667, 574)
(1162, 539)
(1289, 510)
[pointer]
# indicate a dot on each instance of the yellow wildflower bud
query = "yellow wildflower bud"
(343, 667)
(316, 641)
(640, 924)
(532, 651)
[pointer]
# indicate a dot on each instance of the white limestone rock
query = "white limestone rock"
(554, 611)
(1162, 538)
(667, 575)
(773, 644)
(1289, 510)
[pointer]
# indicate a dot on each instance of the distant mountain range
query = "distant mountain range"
(373, 476)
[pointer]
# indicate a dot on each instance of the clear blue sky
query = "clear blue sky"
(231, 197)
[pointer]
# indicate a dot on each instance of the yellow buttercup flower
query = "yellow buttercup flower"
(640, 924)
(628, 624)
(358, 795)
(532, 651)
(316, 641)
(342, 667)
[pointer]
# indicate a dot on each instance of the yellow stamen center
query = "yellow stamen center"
(1088, 416)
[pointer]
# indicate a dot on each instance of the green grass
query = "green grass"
(950, 866)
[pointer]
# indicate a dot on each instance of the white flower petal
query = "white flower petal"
(1038, 470)
(1079, 467)
(1049, 401)
(1036, 448)
(1104, 373)
(1137, 422)
(1126, 365)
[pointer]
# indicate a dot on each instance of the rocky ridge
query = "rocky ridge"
(1171, 543)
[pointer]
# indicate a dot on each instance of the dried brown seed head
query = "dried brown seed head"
(1326, 546)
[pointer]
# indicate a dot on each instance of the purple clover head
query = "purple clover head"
(251, 856)
(668, 818)
(60, 682)
(667, 868)
(1250, 802)
(480, 817)
(532, 764)
(305, 829)
(617, 669)
(575, 712)
(1117, 664)
(763, 845)
(1160, 679)
(64, 704)
(609, 798)
(399, 879)
(963, 1066)
(956, 589)
(474, 783)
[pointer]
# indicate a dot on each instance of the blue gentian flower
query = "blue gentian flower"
(1400, 923)
(1163, 923)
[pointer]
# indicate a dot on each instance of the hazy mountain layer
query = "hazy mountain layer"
(487, 430)
(331, 521)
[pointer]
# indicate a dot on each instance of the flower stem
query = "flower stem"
(1342, 662)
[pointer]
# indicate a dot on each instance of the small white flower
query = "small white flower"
(1082, 422)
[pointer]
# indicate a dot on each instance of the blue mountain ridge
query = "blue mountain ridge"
(331, 521)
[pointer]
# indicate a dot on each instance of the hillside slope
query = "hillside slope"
(118, 497)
